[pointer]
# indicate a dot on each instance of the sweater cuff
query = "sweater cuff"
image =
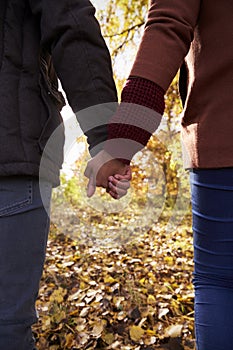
(137, 117)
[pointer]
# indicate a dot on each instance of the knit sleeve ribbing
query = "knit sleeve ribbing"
(137, 117)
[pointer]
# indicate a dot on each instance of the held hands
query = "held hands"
(107, 172)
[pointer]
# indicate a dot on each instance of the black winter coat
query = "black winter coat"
(37, 36)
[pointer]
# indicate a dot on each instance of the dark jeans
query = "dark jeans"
(212, 205)
(24, 225)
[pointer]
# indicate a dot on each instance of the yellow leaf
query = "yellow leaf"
(82, 285)
(109, 279)
(151, 299)
(150, 332)
(169, 260)
(108, 338)
(58, 295)
(142, 281)
(136, 333)
(151, 276)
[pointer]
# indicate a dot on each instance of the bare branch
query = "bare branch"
(126, 30)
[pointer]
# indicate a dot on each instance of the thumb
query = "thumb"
(128, 172)
(91, 186)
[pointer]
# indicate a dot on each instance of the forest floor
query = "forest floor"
(131, 295)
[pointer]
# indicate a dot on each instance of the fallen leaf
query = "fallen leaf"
(173, 331)
(136, 333)
(162, 313)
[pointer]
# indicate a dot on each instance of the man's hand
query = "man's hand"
(107, 172)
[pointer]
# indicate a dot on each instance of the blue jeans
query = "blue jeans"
(212, 206)
(24, 226)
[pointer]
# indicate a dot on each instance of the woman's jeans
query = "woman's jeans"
(212, 206)
(24, 225)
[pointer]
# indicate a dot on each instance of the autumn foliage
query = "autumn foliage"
(118, 275)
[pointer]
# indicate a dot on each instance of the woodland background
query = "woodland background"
(118, 274)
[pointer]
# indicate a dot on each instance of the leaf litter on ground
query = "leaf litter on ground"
(137, 295)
